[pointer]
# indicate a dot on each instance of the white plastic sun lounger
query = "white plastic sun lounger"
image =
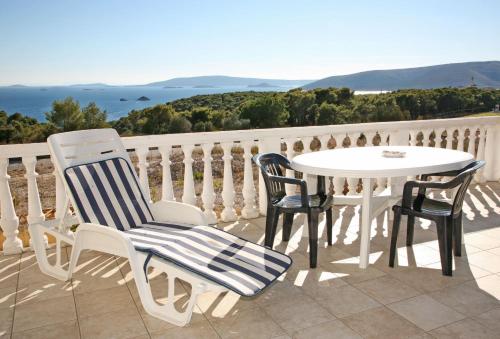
(114, 217)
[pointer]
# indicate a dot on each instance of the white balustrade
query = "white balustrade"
(188, 194)
(290, 153)
(8, 220)
(268, 140)
(208, 194)
(228, 194)
(249, 210)
(167, 189)
(142, 155)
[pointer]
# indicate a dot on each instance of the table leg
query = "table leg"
(366, 221)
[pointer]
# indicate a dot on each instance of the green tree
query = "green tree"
(298, 104)
(264, 112)
(93, 117)
(66, 114)
(179, 124)
(156, 119)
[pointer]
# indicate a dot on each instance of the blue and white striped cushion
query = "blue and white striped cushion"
(107, 193)
(241, 266)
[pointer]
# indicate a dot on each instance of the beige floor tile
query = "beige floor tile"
(424, 279)
(298, 313)
(249, 323)
(326, 330)
(425, 312)
(481, 241)
(7, 297)
(419, 255)
(125, 323)
(219, 305)
(103, 301)
(317, 282)
(43, 291)
(467, 299)
(280, 291)
(485, 260)
(387, 289)
(100, 273)
(495, 251)
(9, 278)
(351, 273)
(467, 249)
(466, 328)
(31, 275)
(490, 319)
(462, 270)
(192, 331)
(6, 320)
(43, 313)
(346, 300)
(66, 330)
(490, 284)
(381, 323)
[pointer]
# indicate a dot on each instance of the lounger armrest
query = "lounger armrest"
(104, 239)
(172, 211)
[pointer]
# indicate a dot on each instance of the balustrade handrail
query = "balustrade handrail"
(481, 141)
(197, 138)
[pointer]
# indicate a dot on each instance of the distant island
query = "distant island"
(169, 87)
(143, 98)
(210, 81)
(478, 74)
(262, 85)
(123, 99)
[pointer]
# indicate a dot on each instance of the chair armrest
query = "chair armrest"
(441, 174)
(104, 239)
(178, 212)
(422, 187)
(294, 181)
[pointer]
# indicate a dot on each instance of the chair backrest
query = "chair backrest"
(464, 178)
(99, 178)
(270, 165)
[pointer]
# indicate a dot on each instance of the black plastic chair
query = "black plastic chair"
(448, 217)
(278, 202)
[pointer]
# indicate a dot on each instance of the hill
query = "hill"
(226, 81)
(485, 74)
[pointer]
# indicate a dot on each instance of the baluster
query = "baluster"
(290, 153)
(439, 138)
(480, 154)
(228, 194)
(311, 180)
(188, 194)
(413, 138)
(382, 182)
(8, 219)
(427, 137)
(249, 210)
(338, 182)
(460, 139)
(208, 194)
(449, 138)
(167, 189)
(35, 213)
(352, 182)
(142, 155)
(471, 147)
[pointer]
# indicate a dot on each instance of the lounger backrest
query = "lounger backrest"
(99, 178)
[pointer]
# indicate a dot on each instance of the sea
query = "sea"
(118, 101)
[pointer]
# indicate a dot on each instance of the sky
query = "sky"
(59, 42)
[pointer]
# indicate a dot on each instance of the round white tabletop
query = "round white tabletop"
(368, 162)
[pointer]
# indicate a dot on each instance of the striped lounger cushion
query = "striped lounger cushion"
(107, 193)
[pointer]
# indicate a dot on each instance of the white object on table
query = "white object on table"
(368, 163)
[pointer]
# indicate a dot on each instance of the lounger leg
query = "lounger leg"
(394, 235)
(287, 226)
(312, 222)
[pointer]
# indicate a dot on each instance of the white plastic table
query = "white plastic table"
(368, 164)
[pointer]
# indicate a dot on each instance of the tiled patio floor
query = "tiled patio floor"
(336, 300)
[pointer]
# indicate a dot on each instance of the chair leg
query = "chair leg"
(394, 235)
(271, 224)
(410, 229)
(287, 225)
(329, 225)
(444, 228)
(457, 235)
(312, 222)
